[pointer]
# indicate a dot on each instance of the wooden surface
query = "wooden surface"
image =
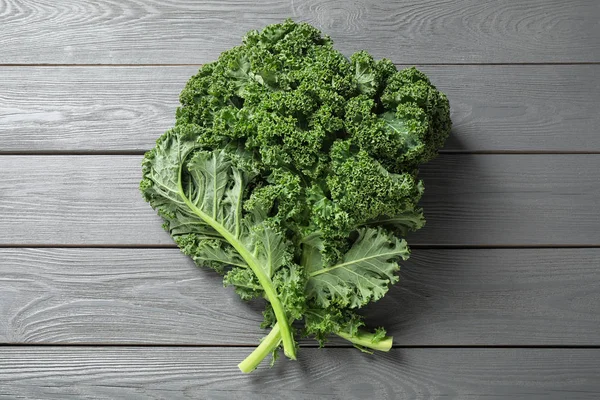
(508, 108)
(457, 297)
(470, 199)
(500, 299)
(210, 373)
(193, 32)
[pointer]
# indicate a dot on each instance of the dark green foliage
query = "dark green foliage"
(286, 152)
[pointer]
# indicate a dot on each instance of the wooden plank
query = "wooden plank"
(511, 200)
(82, 108)
(410, 31)
(494, 108)
(202, 373)
(75, 200)
(118, 296)
(499, 200)
(509, 297)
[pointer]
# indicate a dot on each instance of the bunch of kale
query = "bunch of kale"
(292, 171)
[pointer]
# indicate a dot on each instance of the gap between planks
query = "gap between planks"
(199, 65)
(302, 345)
(142, 152)
(422, 246)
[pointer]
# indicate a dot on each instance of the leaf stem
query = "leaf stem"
(365, 339)
(289, 346)
(268, 344)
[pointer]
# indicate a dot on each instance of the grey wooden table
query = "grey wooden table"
(501, 298)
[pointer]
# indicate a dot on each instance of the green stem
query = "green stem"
(365, 339)
(289, 346)
(268, 344)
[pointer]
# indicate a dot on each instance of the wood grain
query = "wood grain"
(209, 373)
(88, 109)
(124, 109)
(513, 297)
(118, 296)
(499, 200)
(406, 31)
(511, 200)
(102, 77)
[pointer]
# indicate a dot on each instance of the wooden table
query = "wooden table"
(501, 298)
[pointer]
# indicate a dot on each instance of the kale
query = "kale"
(293, 171)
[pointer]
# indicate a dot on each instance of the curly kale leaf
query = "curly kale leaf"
(371, 75)
(206, 190)
(362, 275)
(293, 171)
(322, 322)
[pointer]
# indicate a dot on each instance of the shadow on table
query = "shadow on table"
(409, 311)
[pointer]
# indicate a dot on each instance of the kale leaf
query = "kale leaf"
(293, 171)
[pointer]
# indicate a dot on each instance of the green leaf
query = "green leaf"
(270, 248)
(292, 170)
(321, 322)
(365, 72)
(364, 273)
(399, 127)
(208, 189)
(290, 284)
(208, 251)
(245, 283)
(217, 189)
(405, 222)
(161, 170)
(346, 324)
